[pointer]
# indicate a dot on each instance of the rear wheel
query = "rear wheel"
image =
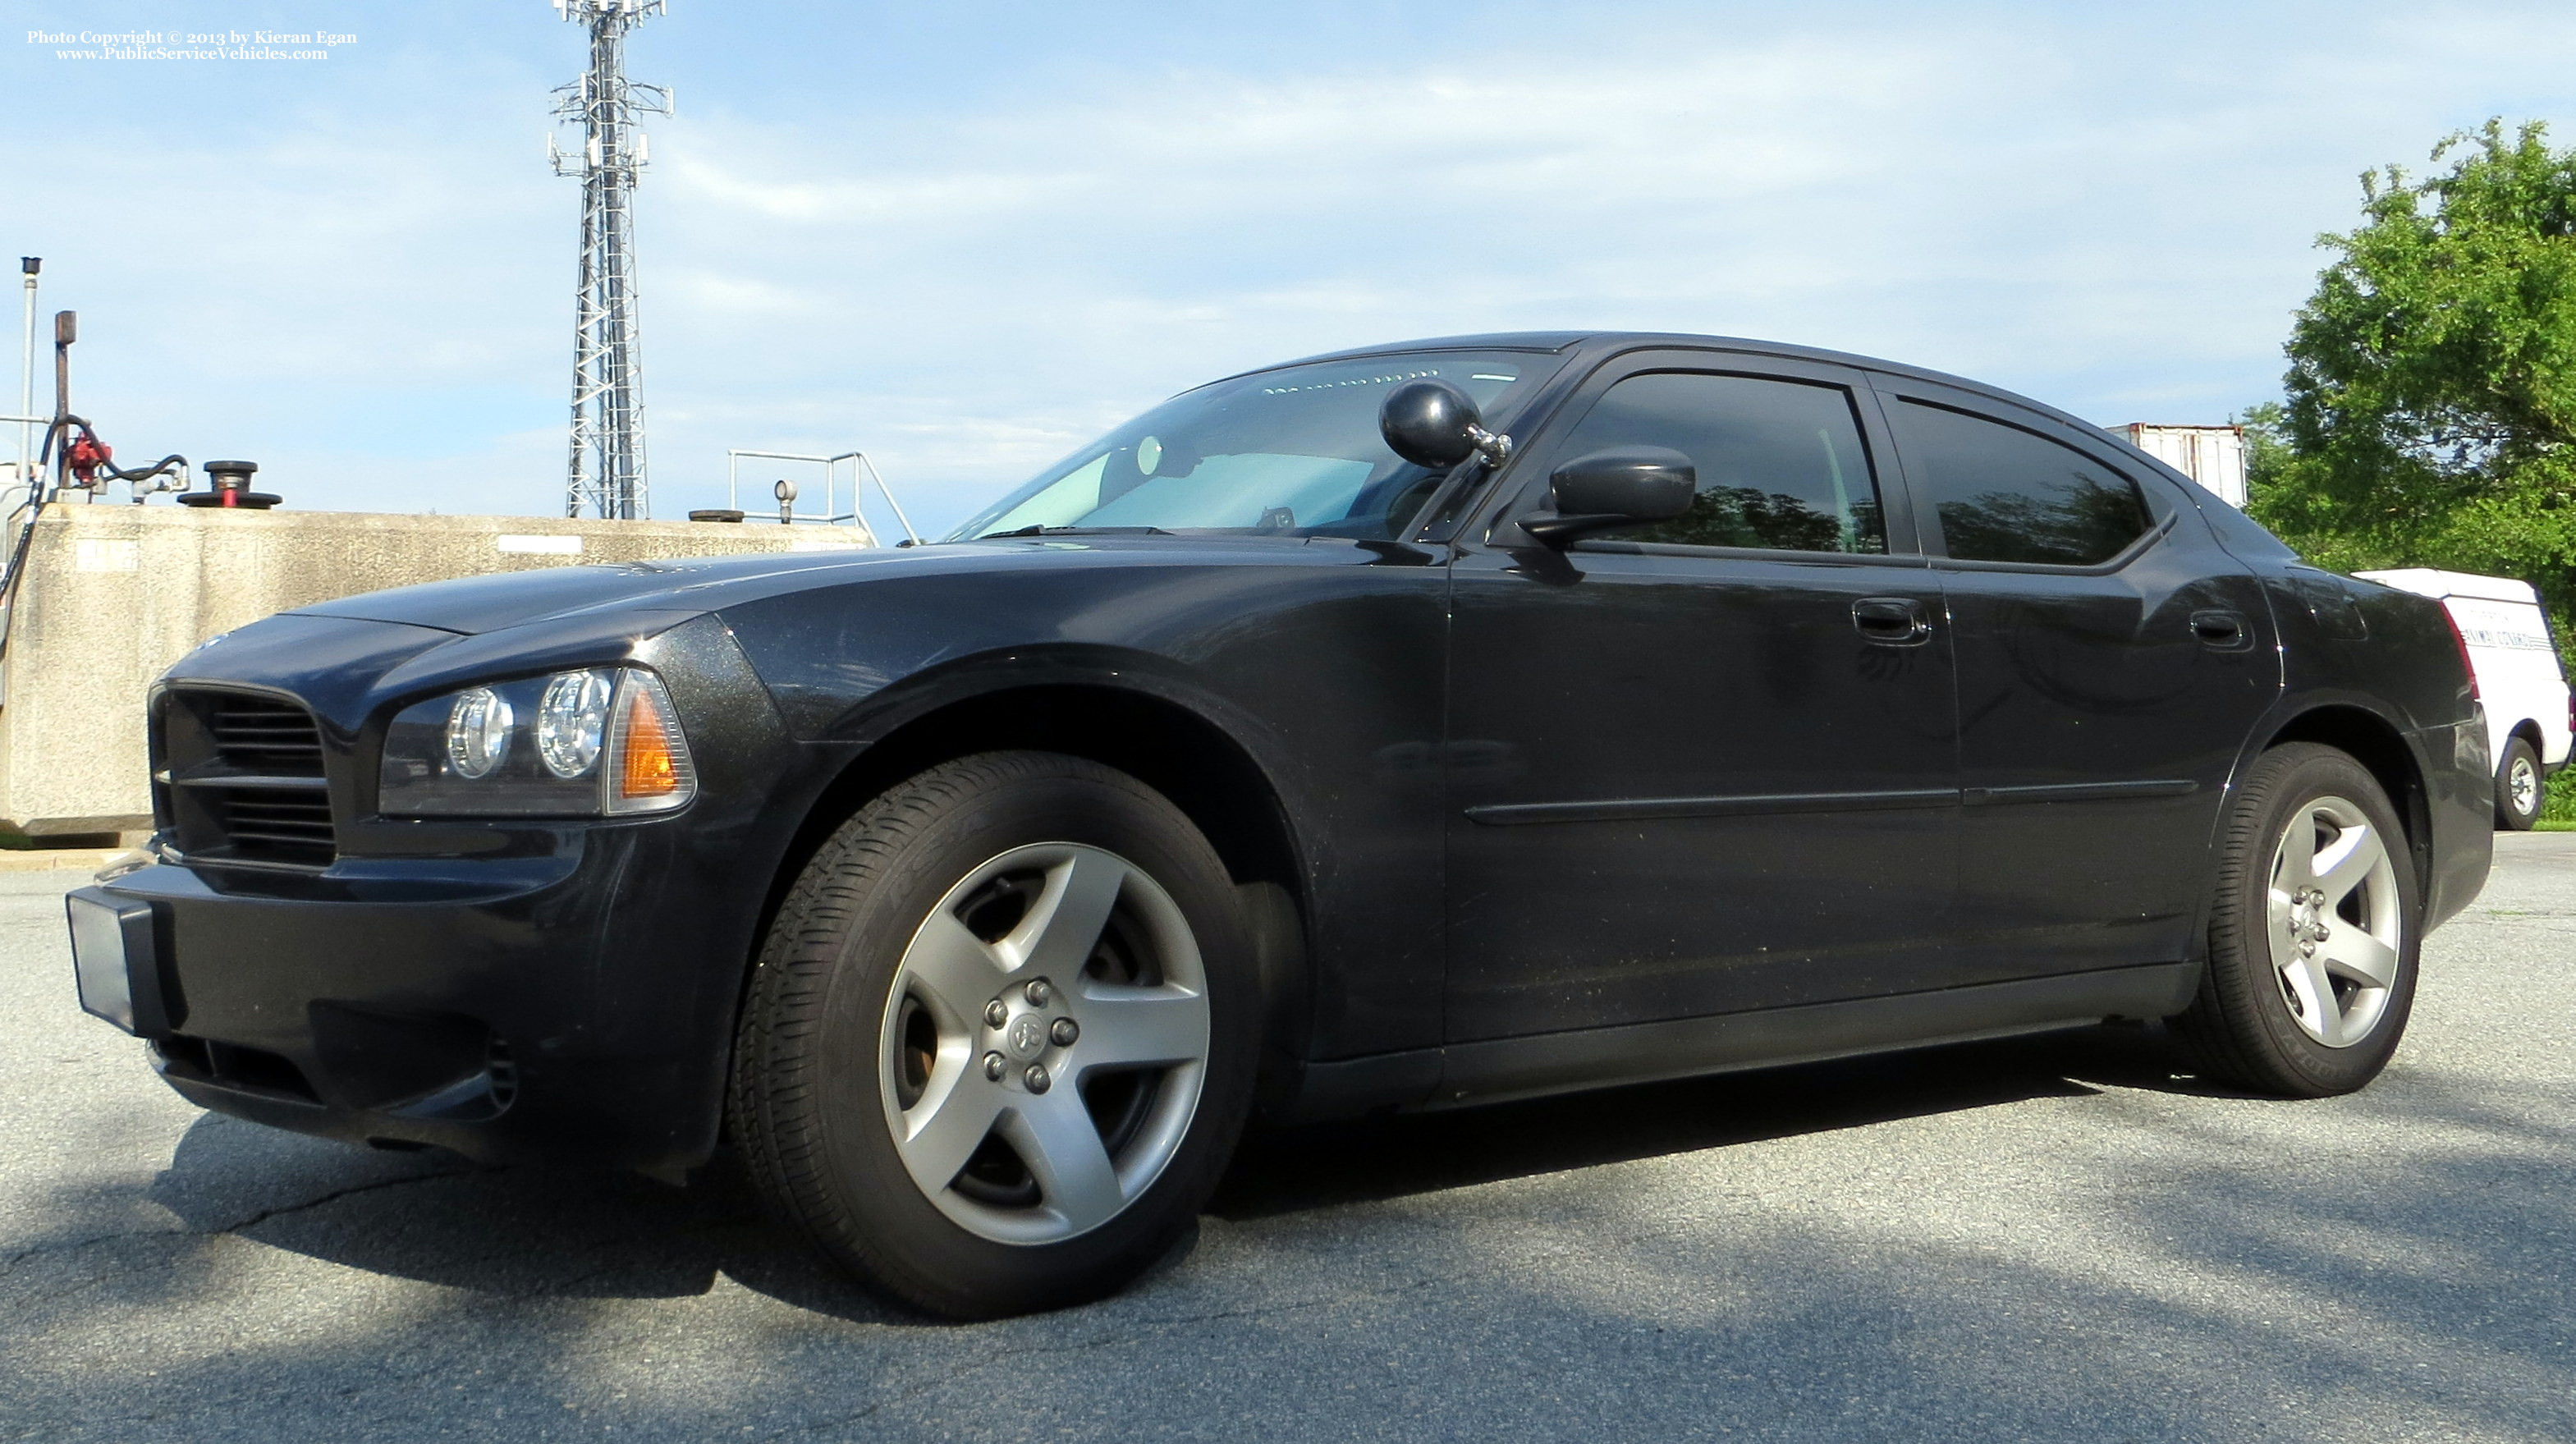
(2520, 788)
(2313, 932)
(1000, 1041)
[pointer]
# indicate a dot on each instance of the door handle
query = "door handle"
(1891, 621)
(2219, 629)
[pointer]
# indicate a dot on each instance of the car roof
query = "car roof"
(1597, 344)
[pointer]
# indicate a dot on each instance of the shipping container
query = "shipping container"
(2214, 456)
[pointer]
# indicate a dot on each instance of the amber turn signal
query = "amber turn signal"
(652, 771)
(648, 771)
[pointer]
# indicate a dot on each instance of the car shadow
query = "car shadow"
(1279, 1171)
(540, 1233)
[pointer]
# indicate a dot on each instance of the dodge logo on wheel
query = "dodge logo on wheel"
(1028, 1035)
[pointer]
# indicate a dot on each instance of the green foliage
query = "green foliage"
(2559, 803)
(2431, 398)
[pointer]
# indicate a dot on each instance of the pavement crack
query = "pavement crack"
(334, 1196)
(10, 1263)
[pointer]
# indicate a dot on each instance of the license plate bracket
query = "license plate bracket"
(116, 961)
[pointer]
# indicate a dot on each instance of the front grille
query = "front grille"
(273, 819)
(240, 778)
(257, 735)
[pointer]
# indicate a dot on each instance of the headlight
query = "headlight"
(601, 741)
(572, 721)
(478, 732)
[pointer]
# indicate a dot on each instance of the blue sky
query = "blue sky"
(965, 237)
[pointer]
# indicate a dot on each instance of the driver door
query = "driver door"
(1710, 764)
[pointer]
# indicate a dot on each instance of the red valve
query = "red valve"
(87, 455)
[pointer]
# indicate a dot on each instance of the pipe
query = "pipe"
(28, 266)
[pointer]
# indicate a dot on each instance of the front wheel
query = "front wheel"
(2520, 787)
(2313, 931)
(1000, 1041)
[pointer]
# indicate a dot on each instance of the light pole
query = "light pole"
(28, 266)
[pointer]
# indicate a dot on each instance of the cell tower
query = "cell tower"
(607, 471)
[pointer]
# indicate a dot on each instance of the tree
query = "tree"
(2431, 398)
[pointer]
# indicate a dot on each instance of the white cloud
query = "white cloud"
(2112, 217)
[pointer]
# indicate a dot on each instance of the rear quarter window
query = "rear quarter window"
(2008, 495)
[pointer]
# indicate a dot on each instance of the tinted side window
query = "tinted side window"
(1780, 462)
(2007, 495)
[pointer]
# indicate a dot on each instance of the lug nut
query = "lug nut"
(1064, 1032)
(996, 1013)
(993, 1066)
(1038, 993)
(1037, 1078)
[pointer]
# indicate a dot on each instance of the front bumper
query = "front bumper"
(554, 1008)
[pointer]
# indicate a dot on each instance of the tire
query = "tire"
(2521, 788)
(999, 1044)
(2310, 977)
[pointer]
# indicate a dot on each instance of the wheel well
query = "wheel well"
(2528, 731)
(1183, 756)
(2370, 741)
(1165, 746)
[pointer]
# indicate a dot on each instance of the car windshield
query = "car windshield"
(1293, 451)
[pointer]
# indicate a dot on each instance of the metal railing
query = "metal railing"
(862, 471)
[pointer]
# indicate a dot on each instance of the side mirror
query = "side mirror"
(1619, 487)
(1435, 424)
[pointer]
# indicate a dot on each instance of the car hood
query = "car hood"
(474, 605)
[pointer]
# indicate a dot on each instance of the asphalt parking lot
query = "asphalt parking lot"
(2058, 1238)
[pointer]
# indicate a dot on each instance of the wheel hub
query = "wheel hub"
(2307, 925)
(1026, 1034)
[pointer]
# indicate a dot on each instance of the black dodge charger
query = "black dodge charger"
(1404, 728)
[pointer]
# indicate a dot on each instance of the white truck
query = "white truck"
(2515, 661)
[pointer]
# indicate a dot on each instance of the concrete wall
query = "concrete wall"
(114, 594)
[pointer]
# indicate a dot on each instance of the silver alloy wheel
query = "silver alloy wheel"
(2336, 927)
(994, 1038)
(2522, 784)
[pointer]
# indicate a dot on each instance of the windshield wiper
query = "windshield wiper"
(1076, 531)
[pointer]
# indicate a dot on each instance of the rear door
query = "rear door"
(1707, 765)
(2112, 663)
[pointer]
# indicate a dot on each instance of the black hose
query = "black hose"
(145, 473)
